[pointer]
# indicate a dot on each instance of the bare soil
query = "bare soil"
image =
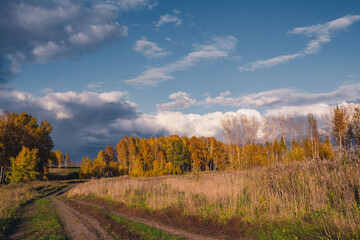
(80, 226)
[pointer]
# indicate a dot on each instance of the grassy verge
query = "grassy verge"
(13, 197)
(298, 200)
(122, 228)
(41, 221)
(63, 173)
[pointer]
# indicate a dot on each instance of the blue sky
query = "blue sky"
(103, 69)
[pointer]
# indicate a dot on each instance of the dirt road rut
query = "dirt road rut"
(80, 226)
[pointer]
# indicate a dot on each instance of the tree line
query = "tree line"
(247, 143)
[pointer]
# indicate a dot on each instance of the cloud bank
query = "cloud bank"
(320, 34)
(285, 97)
(88, 121)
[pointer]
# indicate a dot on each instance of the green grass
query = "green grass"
(146, 232)
(63, 171)
(16, 196)
(42, 222)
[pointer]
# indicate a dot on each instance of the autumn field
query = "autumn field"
(297, 200)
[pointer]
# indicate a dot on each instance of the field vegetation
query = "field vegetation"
(41, 221)
(298, 200)
(14, 196)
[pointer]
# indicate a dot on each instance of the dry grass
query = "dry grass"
(299, 199)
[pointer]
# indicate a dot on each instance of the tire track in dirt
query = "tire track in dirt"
(80, 226)
(164, 228)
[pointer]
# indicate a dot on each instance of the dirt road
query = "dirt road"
(80, 226)
(164, 228)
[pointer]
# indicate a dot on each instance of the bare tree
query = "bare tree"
(254, 127)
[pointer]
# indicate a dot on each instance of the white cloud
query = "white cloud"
(149, 49)
(95, 85)
(269, 62)
(63, 105)
(321, 34)
(168, 18)
(66, 104)
(285, 97)
(317, 110)
(207, 125)
(181, 100)
(219, 47)
(134, 4)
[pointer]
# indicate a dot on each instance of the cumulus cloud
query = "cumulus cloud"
(219, 47)
(41, 31)
(168, 18)
(166, 123)
(320, 34)
(149, 49)
(181, 100)
(285, 97)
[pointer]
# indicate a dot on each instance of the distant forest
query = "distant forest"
(246, 144)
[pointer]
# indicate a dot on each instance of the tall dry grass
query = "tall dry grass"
(318, 196)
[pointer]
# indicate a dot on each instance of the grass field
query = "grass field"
(63, 173)
(14, 196)
(299, 200)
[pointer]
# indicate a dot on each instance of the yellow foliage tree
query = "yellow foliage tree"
(23, 167)
(86, 168)
(99, 165)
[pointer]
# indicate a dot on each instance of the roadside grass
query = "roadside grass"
(14, 197)
(121, 228)
(297, 200)
(63, 173)
(41, 222)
